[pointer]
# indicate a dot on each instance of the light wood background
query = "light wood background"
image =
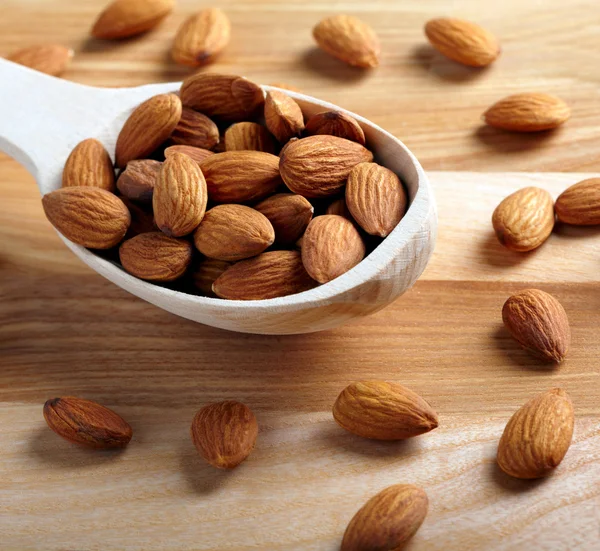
(64, 330)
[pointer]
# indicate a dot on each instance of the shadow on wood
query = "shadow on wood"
(443, 68)
(511, 484)
(328, 66)
(202, 478)
(518, 356)
(504, 141)
(495, 254)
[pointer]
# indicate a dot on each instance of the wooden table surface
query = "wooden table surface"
(65, 330)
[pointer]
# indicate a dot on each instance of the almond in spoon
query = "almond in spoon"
(138, 179)
(195, 129)
(249, 136)
(289, 214)
(89, 164)
(283, 116)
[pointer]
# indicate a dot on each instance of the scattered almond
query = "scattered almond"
(388, 520)
(206, 273)
(538, 436)
(349, 39)
(87, 423)
(335, 123)
(202, 37)
(195, 129)
(196, 153)
(89, 164)
(580, 204)
(524, 219)
(248, 136)
(283, 116)
(289, 215)
(539, 323)
(51, 59)
(138, 179)
(124, 18)
(224, 433)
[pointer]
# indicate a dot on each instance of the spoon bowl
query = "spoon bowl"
(45, 117)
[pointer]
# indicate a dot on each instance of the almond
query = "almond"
(580, 204)
(376, 198)
(89, 164)
(340, 208)
(201, 38)
(269, 275)
(383, 411)
(318, 166)
(180, 196)
(248, 136)
(224, 433)
(388, 520)
(138, 179)
(206, 272)
(528, 112)
(537, 436)
(289, 215)
(330, 247)
(241, 176)
(124, 18)
(335, 123)
(524, 219)
(51, 59)
(150, 124)
(233, 232)
(156, 257)
(462, 41)
(349, 39)
(195, 129)
(89, 216)
(87, 423)
(283, 116)
(225, 97)
(142, 219)
(196, 153)
(539, 323)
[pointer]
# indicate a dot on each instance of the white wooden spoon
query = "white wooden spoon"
(43, 118)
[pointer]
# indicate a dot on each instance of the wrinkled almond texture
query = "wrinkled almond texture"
(528, 112)
(283, 116)
(330, 247)
(206, 272)
(349, 39)
(195, 129)
(201, 37)
(318, 166)
(538, 435)
(156, 257)
(462, 41)
(388, 520)
(224, 97)
(383, 411)
(150, 124)
(233, 232)
(89, 164)
(289, 215)
(539, 323)
(524, 219)
(138, 179)
(224, 433)
(335, 123)
(51, 59)
(87, 423)
(124, 18)
(89, 216)
(580, 204)
(196, 153)
(269, 275)
(180, 196)
(248, 136)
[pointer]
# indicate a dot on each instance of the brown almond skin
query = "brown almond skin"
(269, 275)
(283, 116)
(195, 129)
(233, 232)
(528, 112)
(150, 124)
(383, 411)
(196, 153)
(223, 97)
(538, 436)
(580, 204)
(524, 219)
(52, 59)
(87, 423)
(249, 136)
(340, 208)
(154, 256)
(142, 218)
(348, 39)
(224, 433)
(89, 216)
(318, 166)
(241, 176)
(201, 38)
(206, 273)
(180, 196)
(376, 198)
(462, 41)
(331, 246)
(138, 179)
(335, 123)
(125, 18)
(289, 215)
(539, 323)
(89, 164)
(388, 520)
